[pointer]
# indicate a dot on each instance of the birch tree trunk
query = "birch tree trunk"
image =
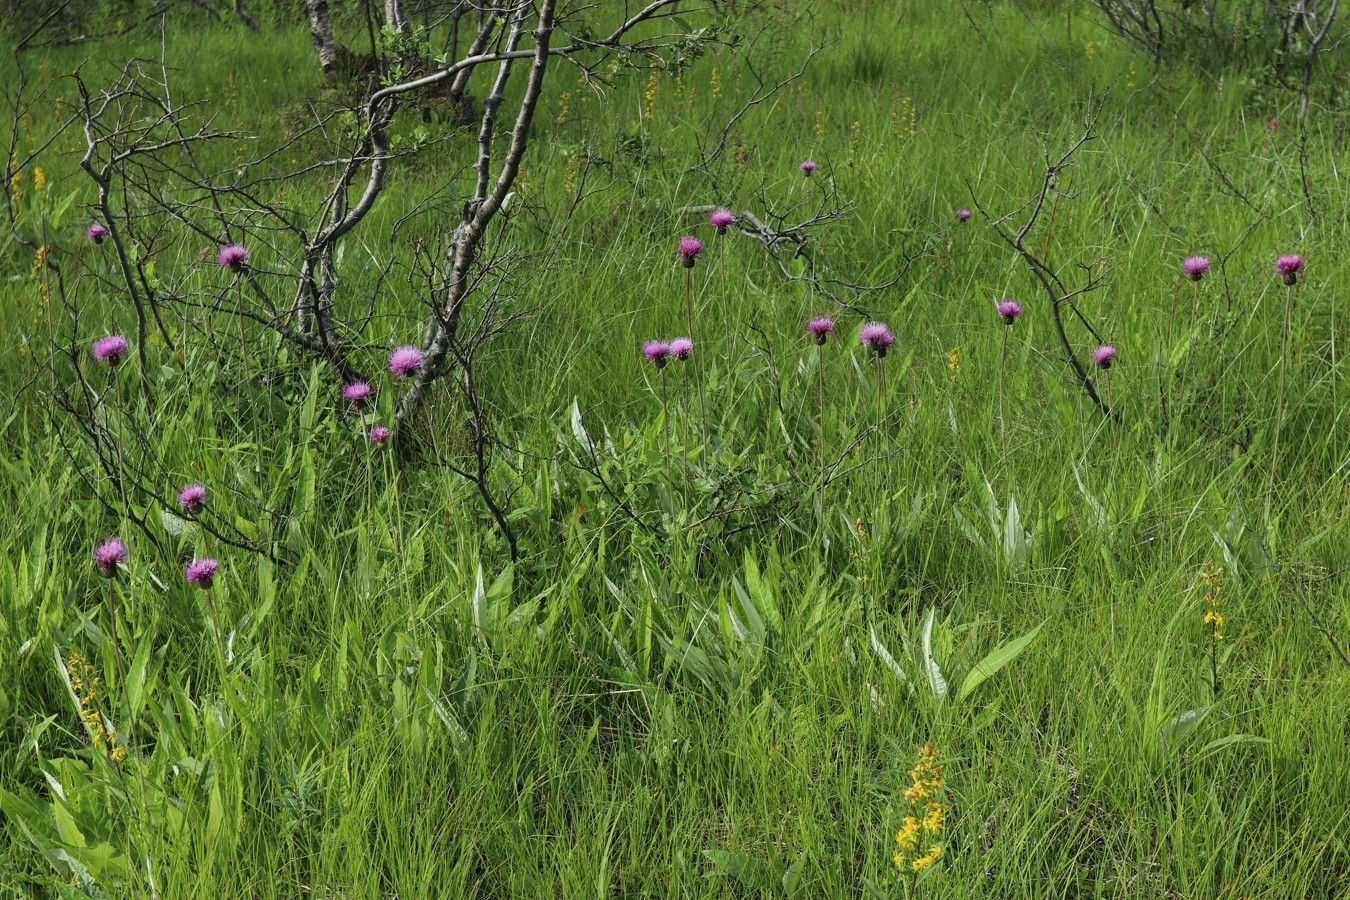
(321, 29)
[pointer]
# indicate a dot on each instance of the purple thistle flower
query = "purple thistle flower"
(1009, 310)
(357, 392)
(721, 219)
(808, 167)
(680, 348)
(96, 233)
(876, 337)
(405, 360)
(658, 352)
(963, 214)
(1290, 266)
(233, 256)
(201, 571)
(192, 497)
(110, 349)
(1103, 355)
(1195, 267)
(108, 554)
(820, 328)
(378, 434)
(690, 248)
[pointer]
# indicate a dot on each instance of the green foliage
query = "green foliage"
(695, 679)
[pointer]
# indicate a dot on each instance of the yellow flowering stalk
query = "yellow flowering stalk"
(1213, 619)
(84, 683)
(918, 838)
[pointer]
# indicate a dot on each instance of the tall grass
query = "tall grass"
(653, 701)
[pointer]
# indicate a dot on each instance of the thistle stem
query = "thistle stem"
(1279, 413)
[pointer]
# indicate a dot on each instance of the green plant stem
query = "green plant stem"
(1279, 410)
(1002, 363)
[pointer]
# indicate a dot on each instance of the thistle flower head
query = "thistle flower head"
(1290, 266)
(1009, 310)
(357, 392)
(657, 351)
(110, 349)
(201, 571)
(108, 554)
(404, 361)
(690, 248)
(96, 233)
(820, 328)
(721, 219)
(233, 256)
(963, 214)
(681, 347)
(808, 167)
(192, 497)
(1103, 355)
(378, 434)
(876, 337)
(1195, 267)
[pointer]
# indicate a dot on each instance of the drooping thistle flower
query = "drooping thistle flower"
(1104, 355)
(201, 572)
(876, 337)
(657, 351)
(192, 497)
(357, 392)
(1290, 266)
(108, 554)
(378, 434)
(963, 214)
(1009, 310)
(404, 361)
(110, 349)
(681, 347)
(808, 167)
(232, 256)
(927, 798)
(721, 219)
(820, 328)
(690, 248)
(96, 233)
(1195, 267)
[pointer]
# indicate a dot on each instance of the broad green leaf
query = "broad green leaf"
(999, 657)
(936, 683)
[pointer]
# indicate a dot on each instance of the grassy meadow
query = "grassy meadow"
(711, 669)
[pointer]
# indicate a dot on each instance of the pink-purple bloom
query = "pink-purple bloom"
(681, 347)
(876, 337)
(657, 351)
(201, 571)
(808, 167)
(357, 392)
(1103, 355)
(1290, 266)
(108, 554)
(405, 360)
(690, 248)
(721, 219)
(1195, 267)
(820, 328)
(963, 214)
(96, 233)
(378, 434)
(1009, 310)
(110, 349)
(192, 497)
(232, 256)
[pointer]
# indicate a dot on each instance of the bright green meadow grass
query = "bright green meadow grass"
(708, 675)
